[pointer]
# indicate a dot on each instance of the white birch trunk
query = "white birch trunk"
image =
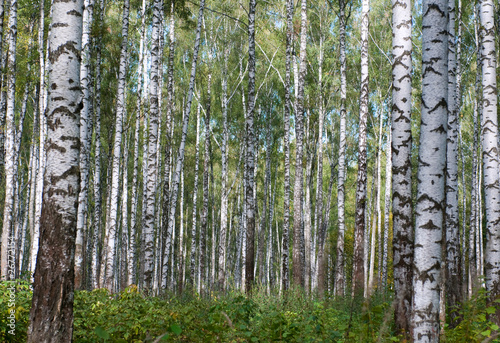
(7, 271)
(339, 267)
(150, 185)
(401, 163)
(489, 129)
(85, 142)
(195, 202)
(430, 203)
(112, 224)
(52, 316)
(359, 231)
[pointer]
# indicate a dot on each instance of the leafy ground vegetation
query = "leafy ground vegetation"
(130, 316)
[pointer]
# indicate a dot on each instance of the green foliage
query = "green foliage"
(21, 307)
(477, 324)
(132, 317)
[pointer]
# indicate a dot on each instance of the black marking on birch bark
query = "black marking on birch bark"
(73, 170)
(58, 98)
(425, 275)
(436, 8)
(60, 25)
(400, 4)
(75, 13)
(53, 146)
(68, 47)
(75, 140)
(63, 111)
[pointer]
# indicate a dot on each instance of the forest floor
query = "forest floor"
(132, 317)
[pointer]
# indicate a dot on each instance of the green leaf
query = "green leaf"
(486, 333)
(490, 310)
(101, 333)
(175, 328)
(494, 327)
(394, 339)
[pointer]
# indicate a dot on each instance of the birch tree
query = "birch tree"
(150, 186)
(187, 110)
(7, 257)
(51, 317)
(250, 153)
(401, 163)
(430, 203)
(85, 141)
(359, 270)
(112, 224)
(339, 268)
(453, 278)
(286, 145)
(489, 125)
(298, 233)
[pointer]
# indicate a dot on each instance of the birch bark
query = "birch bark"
(489, 130)
(112, 225)
(298, 231)
(8, 241)
(85, 141)
(359, 231)
(51, 317)
(401, 163)
(430, 205)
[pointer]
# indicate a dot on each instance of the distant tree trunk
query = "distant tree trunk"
(96, 239)
(174, 189)
(85, 143)
(224, 159)
(402, 243)
(263, 221)
(195, 201)
(286, 147)
(2, 115)
(319, 176)
(8, 273)
(430, 203)
(150, 186)
(453, 278)
(489, 129)
(168, 146)
(51, 316)
(250, 153)
(372, 243)
(298, 233)
(204, 212)
(124, 237)
(387, 207)
(112, 224)
(180, 264)
(339, 268)
(132, 249)
(307, 209)
(359, 230)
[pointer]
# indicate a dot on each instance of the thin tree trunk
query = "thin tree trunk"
(51, 317)
(453, 278)
(132, 249)
(96, 240)
(387, 207)
(359, 230)
(195, 201)
(250, 153)
(286, 147)
(7, 256)
(150, 191)
(85, 142)
(489, 129)
(339, 268)
(430, 203)
(402, 243)
(187, 110)
(112, 226)
(298, 233)
(224, 159)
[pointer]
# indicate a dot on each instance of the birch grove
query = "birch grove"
(340, 152)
